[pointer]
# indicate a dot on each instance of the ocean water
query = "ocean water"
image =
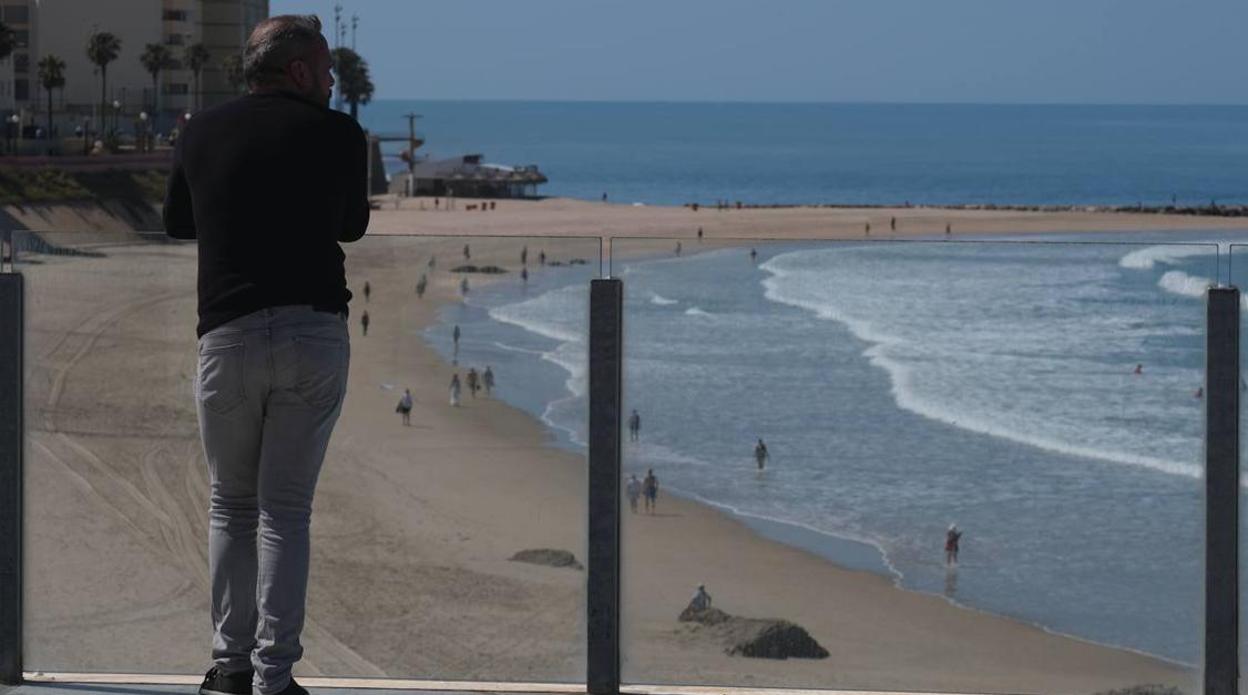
(905, 386)
(675, 153)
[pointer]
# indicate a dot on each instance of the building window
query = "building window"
(175, 40)
(21, 38)
(176, 88)
(21, 63)
(177, 16)
(17, 14)
(21, 90)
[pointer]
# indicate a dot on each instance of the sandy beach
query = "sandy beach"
(414, 526)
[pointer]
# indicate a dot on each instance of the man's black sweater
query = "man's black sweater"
(269, 184)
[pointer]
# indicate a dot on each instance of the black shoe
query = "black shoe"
(294, 689)
(217, 683)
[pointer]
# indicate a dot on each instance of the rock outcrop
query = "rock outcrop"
(755, 637)
(549, 557)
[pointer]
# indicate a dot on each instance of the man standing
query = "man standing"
(634, 426)
(650, 488)
(269, 184)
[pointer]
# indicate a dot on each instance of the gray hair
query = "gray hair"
(277, 41)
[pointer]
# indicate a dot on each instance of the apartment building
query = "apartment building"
(16, 71)
(62, 27)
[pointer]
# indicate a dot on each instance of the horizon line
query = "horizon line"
(787, 102)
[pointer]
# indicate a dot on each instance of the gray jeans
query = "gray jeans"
(269, 390)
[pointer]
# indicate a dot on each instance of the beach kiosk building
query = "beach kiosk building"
(469, 176)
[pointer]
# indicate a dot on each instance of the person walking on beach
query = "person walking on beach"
(524, 256)
(541, 258)
(699, 235)
(487, 379)
(368, 290)
(269, 184)
(421, 285)
(524, 275)
(455, 390)
(455, 337)
(433, 262)
(760, 454)
(633, 489)
(473, 382)
(405, 407)
(892, 224)
(952, 539)
(678, 248)
(948, 229)
(634, 426)
(467, 253)
(650, 488)
(364, 322)
(463, 287)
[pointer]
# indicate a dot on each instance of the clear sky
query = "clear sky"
(985, 51)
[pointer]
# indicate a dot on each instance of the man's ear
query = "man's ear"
(300, 75)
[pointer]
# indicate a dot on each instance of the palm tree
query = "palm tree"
(51, 76)
(354, 82)
(156, 58)
(197, 56)
(102, 49)
(233, 67)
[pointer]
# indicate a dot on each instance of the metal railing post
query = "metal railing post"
(606, 309)
(1222, 493)
(11, 443)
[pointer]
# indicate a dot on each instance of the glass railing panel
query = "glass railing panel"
(1040, 402)
(419, 566)
(1238, 277)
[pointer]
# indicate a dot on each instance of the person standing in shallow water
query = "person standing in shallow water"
(953, 539)
(269, 184)
(634, 426)
(760, 454)
(364, 322)
(487, 379)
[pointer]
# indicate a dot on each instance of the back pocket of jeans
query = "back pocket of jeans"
(220, 383)
(320, 372)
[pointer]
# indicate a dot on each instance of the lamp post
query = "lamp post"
(116, 115)
(14, 123)
(143, 131)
